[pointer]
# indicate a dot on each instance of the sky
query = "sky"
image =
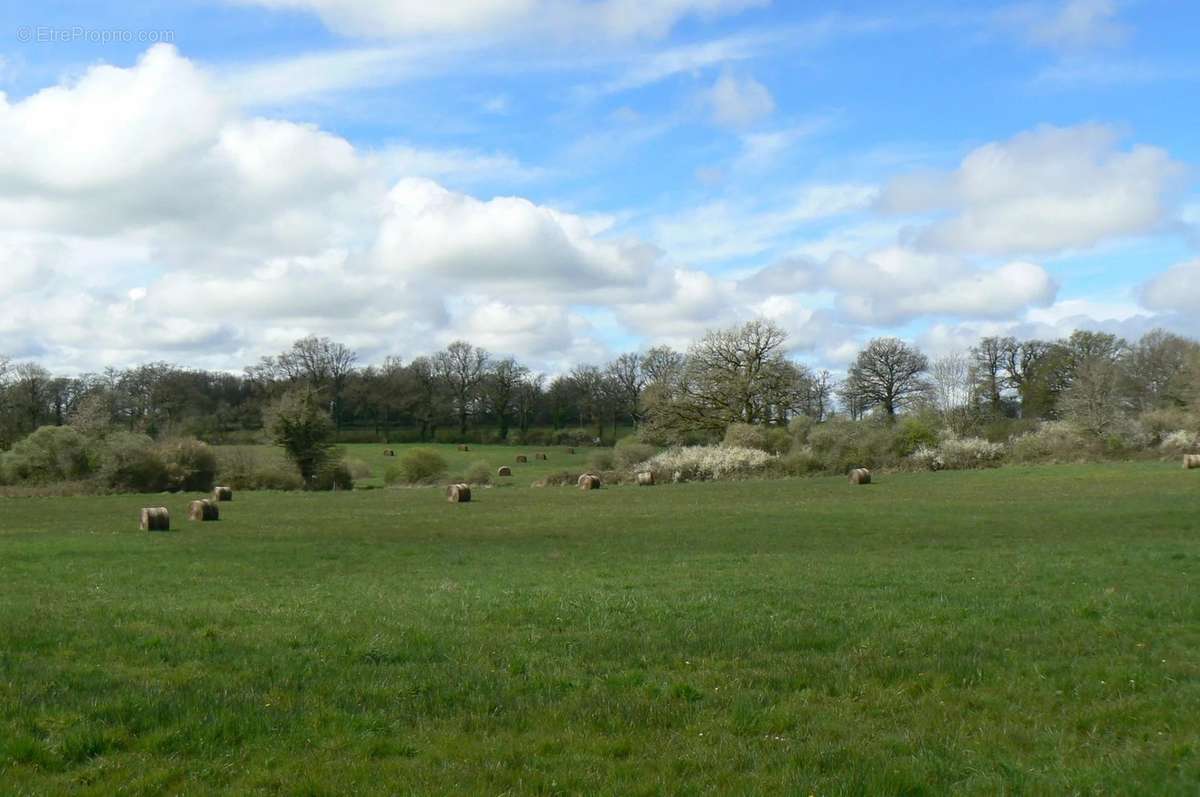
(204, 181)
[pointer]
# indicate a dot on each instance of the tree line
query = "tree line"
(737, 375)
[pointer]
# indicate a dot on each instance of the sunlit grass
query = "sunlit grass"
(1021, 630)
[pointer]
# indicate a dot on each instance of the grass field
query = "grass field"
(557, 459)
(1013, 631)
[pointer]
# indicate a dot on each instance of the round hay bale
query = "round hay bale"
(521, 458)
(389, 452)
(645, 479)
(464, 447)
(222, 494)
(458, 493)
(539, 456)
(860, 476)
(204, 510)
(155, 518)
(570, 451)
(504, 471)
(589, 481)
(1191, 461)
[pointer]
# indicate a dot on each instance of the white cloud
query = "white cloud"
(724, 229)
(1177, 288)
(739, 102)
(896, 285)
(573, 18)
(1067, 25)
(1040, 192)
(204, 230)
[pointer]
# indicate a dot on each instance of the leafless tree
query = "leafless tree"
(462, 367)
(954, 390)
(889, 374)
(987, 363)
(501, 386)
(736, 375)
(628, 376)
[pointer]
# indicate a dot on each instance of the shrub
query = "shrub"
(1181, 441)
(799, 428)
(417, 466)
(772, 439)
(299, 425)
(602, 459)
(248, 469)
(912, 433)
(958, 453)
(1158, 424)
(478, 473)
(358, 468)
(131, 463)
(50, 454)
(631, 451)
(190, 465)
(841, 445)
(333, 475)
(800, 462)
(709, 463)
(1053, 441)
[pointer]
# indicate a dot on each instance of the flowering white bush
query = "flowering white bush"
(707, 463)
(927, 458)
(1053, 441)
(1181, 440)
(958, 453)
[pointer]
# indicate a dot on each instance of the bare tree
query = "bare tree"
(501, 386)
(955, 385)
(528, 397)
(424, 394)
(662, 365)
(1154, 367)
(987, 363)
(591, 394)
(736, 375)
(628, 375)
(462, 367)
(888, 374)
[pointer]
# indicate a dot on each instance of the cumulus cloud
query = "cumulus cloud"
(739, 102)
(1042, 191)
(1177, 288)
(199, 228)
(895, 285)
(573, 18)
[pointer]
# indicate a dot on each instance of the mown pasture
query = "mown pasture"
(1023, 630)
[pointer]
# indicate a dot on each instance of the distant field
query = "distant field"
(1023, 630)
(557, 459)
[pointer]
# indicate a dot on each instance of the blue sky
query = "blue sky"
(566, 179)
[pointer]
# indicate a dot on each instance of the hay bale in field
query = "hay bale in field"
(204, 510)
(521, 458)
(539, 456)
(645, 479)
(155, 518)
(1191, 461)
(589, 481)
(570, 451)
(504, 471)
(458, 493)
(389, 452)
(222, 494)
(464, 447)
(860, 476)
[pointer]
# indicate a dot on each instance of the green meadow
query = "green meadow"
(1016, 631)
